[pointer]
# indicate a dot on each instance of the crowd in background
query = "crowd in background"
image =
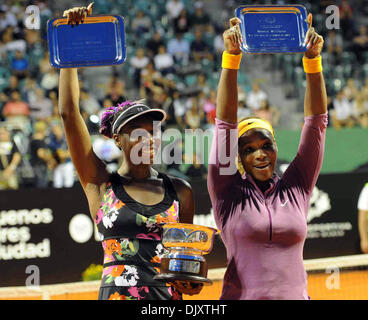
(174, 51)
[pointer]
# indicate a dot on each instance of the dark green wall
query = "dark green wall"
(345, 150)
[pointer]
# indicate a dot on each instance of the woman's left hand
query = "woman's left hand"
(314, 41)
(186, 287)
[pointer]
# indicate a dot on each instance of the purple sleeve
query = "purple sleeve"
(306, 166)
(222, 171)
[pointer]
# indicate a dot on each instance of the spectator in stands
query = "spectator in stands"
(41, 108)
(199, 48)
(162, 101)
(107, 103)
(3, 53)
(115, 90)
(150, 78)
(10, 43)
(13, 84)
(360, 110)
(7, 19)
(174, 8)
(360, 44)
(218, 43)
(35, 50)
(141, 23)
(63, 174)
(197, 170)
(138, 62)
(341, 113)
(33, 40)
(365, 88)
(149, 73)
(179, 48)
(181, 106)
(40, 155)
(346, 19)
(53, 96)
(45, 66)
(153, 44)
(200, 19)
(55, 115)
(323, 4)
(243, 110)
(89, 103)
(194, 117)
(268, 112)
(169, 85)
(202, 83)
(166, 102)
(255, 97)
(182, 23)
(164, 61)
(334, 44)
(29, 90)
(19, 65)
(350, 90)
(363, 218)
(50, 80)
(10, 158)
(16, 112)
(209, 107)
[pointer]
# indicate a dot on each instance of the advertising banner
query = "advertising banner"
(50, 231)
(46, 231)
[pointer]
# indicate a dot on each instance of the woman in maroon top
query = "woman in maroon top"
(262, 217)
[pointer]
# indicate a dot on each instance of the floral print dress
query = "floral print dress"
(131, 237)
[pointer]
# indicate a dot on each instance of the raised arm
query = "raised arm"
(222, 171)
(90, 168)
(306, 166)
(315, 101)
(227, 93)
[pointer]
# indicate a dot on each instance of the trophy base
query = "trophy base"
(170, 277)
(178, 269)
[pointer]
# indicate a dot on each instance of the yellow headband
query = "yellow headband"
(252, 123)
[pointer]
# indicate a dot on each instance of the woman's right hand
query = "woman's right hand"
(77, 15)
(232, 37)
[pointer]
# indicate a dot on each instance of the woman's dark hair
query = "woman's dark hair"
(110, 115)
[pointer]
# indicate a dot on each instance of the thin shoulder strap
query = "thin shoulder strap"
(170, 186)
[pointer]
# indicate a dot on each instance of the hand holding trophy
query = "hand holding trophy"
(314, 41)
(99, 40)
(184, 265)
(273, 28)
(78, 14)
(233, 37)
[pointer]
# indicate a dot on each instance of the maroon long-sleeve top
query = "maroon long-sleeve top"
(264, 233)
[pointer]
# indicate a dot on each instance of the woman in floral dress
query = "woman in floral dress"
(128, 206)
